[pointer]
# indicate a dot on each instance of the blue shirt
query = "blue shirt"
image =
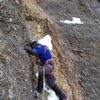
(45, 52)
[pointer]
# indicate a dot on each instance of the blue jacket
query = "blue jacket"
(42, 51)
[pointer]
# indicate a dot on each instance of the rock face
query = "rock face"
(15, 73)
(76, 47)
(79, 42)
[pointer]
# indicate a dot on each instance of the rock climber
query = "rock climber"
(44, 59)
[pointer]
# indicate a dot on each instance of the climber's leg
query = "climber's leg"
(39, 88)
(40, 78)
(40, 82)
(54, 87)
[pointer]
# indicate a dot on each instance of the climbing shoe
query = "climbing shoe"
(36, 94)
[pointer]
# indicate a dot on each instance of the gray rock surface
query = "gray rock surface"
(15, 64)
(82, 41)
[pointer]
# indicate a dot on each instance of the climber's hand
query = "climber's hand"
(27, 45)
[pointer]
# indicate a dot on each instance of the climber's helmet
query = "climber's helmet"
(34, 43)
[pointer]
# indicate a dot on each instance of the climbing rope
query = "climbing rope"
(43, 81)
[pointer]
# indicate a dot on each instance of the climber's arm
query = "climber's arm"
(29, 50)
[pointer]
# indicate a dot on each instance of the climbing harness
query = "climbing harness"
(50, 62)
